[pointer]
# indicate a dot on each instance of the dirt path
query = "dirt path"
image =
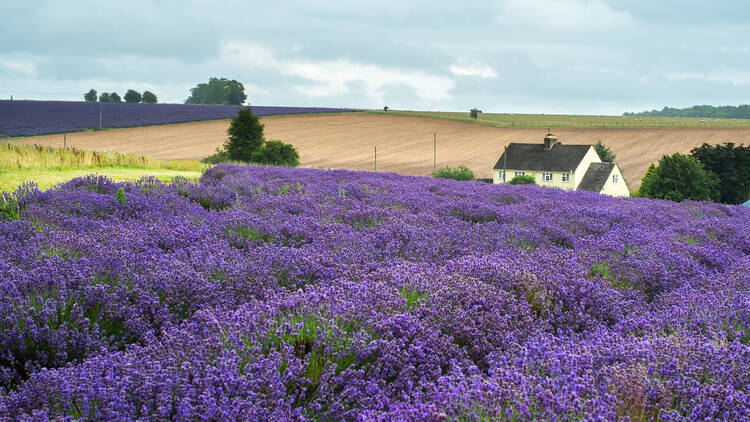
(404, 143)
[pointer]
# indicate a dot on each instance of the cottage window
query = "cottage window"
(614, 178)
(546, 177)
(520, 173)
(566, 177)
(501, 175)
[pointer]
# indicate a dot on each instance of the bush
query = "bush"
(276, 153)
(523, 180)
(149, 97)
(245, 136)
(133, 96)
(90, 96)
(459, 173)
(679, 177)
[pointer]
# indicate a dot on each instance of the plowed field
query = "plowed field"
(404, 144)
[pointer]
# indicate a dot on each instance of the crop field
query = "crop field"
(28, 118)
(265, 293)
(404, 144)
(579, 121)
(48, 166)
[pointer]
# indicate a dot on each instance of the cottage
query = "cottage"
(552, 164)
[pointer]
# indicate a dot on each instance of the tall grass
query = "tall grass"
(19, 156)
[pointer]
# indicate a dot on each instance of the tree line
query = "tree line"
(132, 96)
(707, 111)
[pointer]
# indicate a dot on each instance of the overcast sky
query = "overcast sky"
(535, 56)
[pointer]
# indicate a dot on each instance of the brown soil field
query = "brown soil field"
(404, 144)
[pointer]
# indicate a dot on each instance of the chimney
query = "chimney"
(549, 141)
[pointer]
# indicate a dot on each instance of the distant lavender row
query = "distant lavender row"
(28, 118)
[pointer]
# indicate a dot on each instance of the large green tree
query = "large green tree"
(114, 97)
(679, 177)
(605, 154)
(104, 97)
(149, 97)
(245, 136)
(133, 96)
(218, 91)
(731, 163)
(90, 96)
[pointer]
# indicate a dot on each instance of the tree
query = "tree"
(90, 96)
(104, 97)
(679, 177)
(114, 98)
(732, 166)
(276, 153)
(605, 154)
(245, 136)
(474, 113)
(149, 97)
(458, 173)
(133, 96)
(218, 91)
(647, 181)
(385, 108)
(523, 180)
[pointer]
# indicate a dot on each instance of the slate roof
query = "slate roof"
(536, 157)
(596, 176)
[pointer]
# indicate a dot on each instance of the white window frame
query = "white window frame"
(520, 173)
(566, 177)
(546, 177)
(615, 179)
(501, 175)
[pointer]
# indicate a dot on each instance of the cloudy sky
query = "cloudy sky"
(536, 56)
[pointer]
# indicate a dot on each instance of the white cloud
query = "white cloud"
(563, 15)
(338, 77)
(20, 66)
(472, 68)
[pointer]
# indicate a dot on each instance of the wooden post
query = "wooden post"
(434, 152)
(65, 141)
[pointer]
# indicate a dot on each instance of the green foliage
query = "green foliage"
(9, 209)
(120, 196)
(133, 96)
(705, 111)
(104, 97)
(679, 177)
(605, 154)
(220, 156)
(385, 108)
(218, 91)
(523, 180)
(149, 97)
(647, 181)
(731, 164)
(90, 96)
(276, 153)
(114, 98)
(474, 113)
(458, 173)
(245, 136)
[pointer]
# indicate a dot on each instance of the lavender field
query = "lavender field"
(29, 118)
(297, 294)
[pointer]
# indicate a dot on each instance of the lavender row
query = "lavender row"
(264, 293)
(29, 118)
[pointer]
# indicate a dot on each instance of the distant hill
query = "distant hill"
(707, 111)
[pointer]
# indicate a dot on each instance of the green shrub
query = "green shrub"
(678, 177)
(9, 208)
(276, 153)
(523, 180)
(459, 173)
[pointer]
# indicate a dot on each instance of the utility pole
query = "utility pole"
(376, 158)
(65, 141)
(434, 152)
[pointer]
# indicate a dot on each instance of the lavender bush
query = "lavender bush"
(267, 293)
(28, 118)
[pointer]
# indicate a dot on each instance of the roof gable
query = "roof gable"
(596, 176)
(536, 157)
